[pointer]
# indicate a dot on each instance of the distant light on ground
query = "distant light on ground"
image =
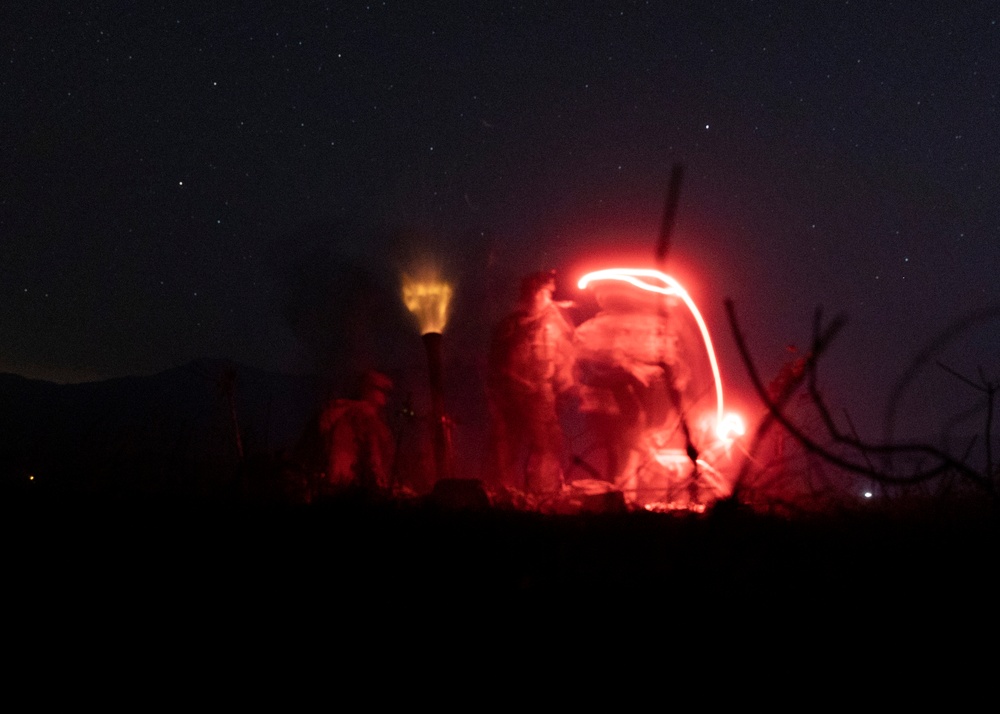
(868, 494)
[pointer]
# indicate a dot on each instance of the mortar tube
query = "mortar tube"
(440, 432)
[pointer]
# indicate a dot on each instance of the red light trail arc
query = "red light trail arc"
(727, 425)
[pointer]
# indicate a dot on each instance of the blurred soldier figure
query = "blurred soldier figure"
(356, 438)
(783, 385)
(629, 374)
(530, 367)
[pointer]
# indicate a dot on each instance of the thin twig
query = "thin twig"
(854, 433)
(820, 343)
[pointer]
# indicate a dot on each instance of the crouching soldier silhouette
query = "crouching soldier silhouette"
(630, 379)
(530, 368)
(357, 440)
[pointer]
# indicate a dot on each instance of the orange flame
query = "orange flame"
(429, 300)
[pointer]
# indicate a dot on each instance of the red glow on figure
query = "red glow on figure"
(728, 426)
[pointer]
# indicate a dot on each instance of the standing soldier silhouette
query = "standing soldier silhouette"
(530, 367)
(357, 440)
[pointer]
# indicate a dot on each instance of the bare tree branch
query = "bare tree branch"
(944, 463)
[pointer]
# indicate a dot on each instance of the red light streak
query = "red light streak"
(728, 426)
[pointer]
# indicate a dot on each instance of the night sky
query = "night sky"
(248, 180)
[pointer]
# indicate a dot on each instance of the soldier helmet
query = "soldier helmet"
(373, 380)
(534, 282)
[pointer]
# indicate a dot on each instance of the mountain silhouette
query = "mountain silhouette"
(172, 430)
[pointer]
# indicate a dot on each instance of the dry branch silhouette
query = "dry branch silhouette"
(941, 462)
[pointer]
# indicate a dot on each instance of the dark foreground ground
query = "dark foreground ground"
(169, 594)
(179, 593)
(407, 554)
